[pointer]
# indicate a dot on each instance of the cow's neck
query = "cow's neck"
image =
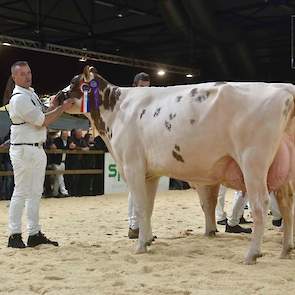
(109, 105)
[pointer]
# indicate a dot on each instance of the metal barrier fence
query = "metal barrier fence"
(59, 151)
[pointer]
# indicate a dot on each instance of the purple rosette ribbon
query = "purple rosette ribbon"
(95, 90)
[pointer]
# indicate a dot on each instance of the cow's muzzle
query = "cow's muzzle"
(62, 95)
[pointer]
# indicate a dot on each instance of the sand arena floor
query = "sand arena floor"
(96, 257)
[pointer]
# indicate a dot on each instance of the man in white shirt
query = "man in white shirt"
(28, 133)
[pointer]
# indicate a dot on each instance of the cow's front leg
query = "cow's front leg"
(135, 177)
(208, 199)
(151, 189)
(284, 197)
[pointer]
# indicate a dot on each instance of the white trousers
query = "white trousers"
(274, 207)
(239, 201)
(59, 182)
(132, 220)
(29, 164)
(219, 211)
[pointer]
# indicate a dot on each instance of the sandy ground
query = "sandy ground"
(96, 257)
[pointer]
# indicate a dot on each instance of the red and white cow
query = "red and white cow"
(237, 134)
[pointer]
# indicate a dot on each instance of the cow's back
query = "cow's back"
(190, 128)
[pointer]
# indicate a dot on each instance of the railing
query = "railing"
(5, 150)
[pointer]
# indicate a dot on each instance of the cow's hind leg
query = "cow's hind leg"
(208, 199)
(255, 173)
(284, 198)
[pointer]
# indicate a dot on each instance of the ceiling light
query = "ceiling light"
(161, 73)
(6, 44)
(189, 75)
(83, 59)
(120, 14)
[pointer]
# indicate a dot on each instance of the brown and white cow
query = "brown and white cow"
(237, 134)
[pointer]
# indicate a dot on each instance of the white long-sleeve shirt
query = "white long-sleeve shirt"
(25, 107)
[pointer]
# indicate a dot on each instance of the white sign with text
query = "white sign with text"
(113, 182)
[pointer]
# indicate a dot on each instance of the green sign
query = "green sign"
(113, 172)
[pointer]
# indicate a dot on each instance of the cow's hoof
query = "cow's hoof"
(286, 254)
(211, 234)
(141, 250)
(252, 259)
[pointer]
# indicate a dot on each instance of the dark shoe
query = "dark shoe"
(277, 223)
(222, 222)
(237, 229)
(133, 233)
(16, 241)
(244, 221)
(39, 239)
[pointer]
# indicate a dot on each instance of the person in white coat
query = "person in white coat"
(28, 134)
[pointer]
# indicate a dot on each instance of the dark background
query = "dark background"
(238, 40)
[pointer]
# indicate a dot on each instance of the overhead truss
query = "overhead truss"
(93, 56)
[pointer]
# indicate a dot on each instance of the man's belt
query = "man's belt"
(38, 144)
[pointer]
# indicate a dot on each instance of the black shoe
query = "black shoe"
(244, 221)
(16, 241)
(237, 229)
(222, 222)
(133, 233)
(39, 239)
(277, 223)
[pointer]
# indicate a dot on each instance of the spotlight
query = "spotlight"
(6, 44)
(120, 15)
(189, 75)
(83, 59)
(161, 72)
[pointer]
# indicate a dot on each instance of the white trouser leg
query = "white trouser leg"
(132, 220)
(22, 176)
(59, 180)
(55, 183)
(239, 202)
(276, 214)
(37, 186)
(29, 164)
(219, 211)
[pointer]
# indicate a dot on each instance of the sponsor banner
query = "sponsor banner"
(113, 182)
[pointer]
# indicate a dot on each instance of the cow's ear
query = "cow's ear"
(93, 70)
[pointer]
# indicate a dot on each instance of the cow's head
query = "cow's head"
(91, 86)
(91, 93)
(82, 86)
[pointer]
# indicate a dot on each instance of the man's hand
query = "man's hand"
(67, 104)
(53, 102)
